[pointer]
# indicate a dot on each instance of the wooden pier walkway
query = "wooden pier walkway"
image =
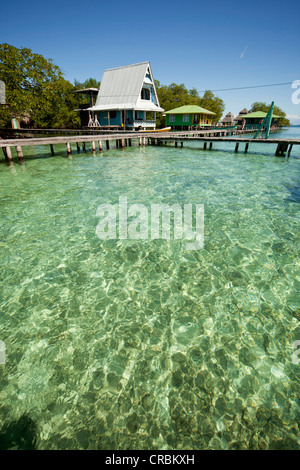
(123, 139)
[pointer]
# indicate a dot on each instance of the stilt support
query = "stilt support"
(69, 151)
(19, 153)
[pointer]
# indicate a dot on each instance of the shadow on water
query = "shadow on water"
(294, 194)
(19, 435)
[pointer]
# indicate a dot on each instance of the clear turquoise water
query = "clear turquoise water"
(143, 345)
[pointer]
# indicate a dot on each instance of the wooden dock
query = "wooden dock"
(123, 139)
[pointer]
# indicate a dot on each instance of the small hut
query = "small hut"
(240, 117)
(228, 120)
(253, 120)
(86, 98)
(189, 116)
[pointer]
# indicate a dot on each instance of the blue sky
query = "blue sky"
(202, 44)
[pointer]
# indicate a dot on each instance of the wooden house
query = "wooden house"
(127, 99)
(86, 98)
(253, 120)
(189, 116)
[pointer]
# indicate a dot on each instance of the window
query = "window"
(185, 118)
(145, 94)
(112, 114)
(172, 118)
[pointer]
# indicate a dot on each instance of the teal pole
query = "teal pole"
(268, 120)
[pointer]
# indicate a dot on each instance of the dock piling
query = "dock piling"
(69, 151)
(8, 154)
(19, 153)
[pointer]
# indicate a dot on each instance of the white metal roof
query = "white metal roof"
(121, 89)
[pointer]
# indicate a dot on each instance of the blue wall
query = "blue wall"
(103, 119)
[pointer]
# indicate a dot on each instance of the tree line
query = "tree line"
(39, 96)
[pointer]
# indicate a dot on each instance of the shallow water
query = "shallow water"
(141, 344)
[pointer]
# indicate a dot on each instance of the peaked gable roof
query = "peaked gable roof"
(228, 118)
(121, 88)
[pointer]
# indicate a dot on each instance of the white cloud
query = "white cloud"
(293, 116)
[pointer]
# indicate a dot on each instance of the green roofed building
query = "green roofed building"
(186, 117)
(253, 120)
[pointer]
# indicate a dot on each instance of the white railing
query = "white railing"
(144, 123)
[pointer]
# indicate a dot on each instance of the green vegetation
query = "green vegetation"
(36, 91)
(89, 83)
(38, 95)
(260, 106)
(174, 95)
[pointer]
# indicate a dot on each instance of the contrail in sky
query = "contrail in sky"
(244, 52)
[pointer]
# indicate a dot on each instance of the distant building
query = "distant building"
(86, 98)
(240, 117)
(228, 120)
(253, 120)
(127, 99)
(189, 116)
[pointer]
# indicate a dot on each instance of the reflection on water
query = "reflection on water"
(143, 345)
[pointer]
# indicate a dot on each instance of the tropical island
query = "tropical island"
(38, 95)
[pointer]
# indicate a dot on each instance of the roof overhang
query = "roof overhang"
(121, 106)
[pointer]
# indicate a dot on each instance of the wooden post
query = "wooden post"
(78, 147)
(93, 146)
(175, 143)
(289, 150)
(204, 145)
(8, 153)
(83, 146)
(210, 145)
(181, 144)
(246, 147)
(281, 149)
(19, 153)
(107, 145)
(4, 153)
(236, 147)
(129, 142)
(122, 143)
(100, 146)
(140, 141)
(51, 149)
(69, 151)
